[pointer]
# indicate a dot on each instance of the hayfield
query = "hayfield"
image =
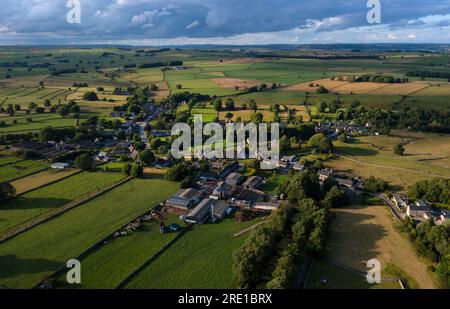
(40, 179)
(359, 233)
(30, 257)
(231, 83)
(20, 169)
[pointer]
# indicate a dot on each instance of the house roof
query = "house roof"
(234, 178)
(253, 182)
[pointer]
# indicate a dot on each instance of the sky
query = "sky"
(233, 22)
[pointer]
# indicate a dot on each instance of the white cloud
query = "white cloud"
(4, 29)
(392, 36)
(193, 24)
(411, 36)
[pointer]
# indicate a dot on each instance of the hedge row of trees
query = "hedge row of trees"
(377, 79)
(428, 74)
(431, 241)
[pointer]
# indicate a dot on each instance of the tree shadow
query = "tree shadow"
(11, 266)
(353, 151)
(24, 203)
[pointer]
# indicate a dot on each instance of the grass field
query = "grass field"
(31, 256)
(359, 233)
(20, 169)
(426, 156)
(108, 266)
(45, 199)
(202, 258)
(40, 179)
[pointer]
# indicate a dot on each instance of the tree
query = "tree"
(47, 103)
(257, 118)
(321, 143)
(335, 198)
(74, 109)
(252, 105)
(63, 110)
(375, 185)
(285, 144)
(229, 116)
(7, 192)
(399, 150)
(146, 157)
(229, 104)
(137, 170)
(84, 162)
(322, 89)
(90, 96)
(179, 86)
(218, 105)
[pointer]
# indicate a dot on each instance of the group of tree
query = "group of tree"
(320, 143)
(375, 185)
(430, 74)
(7, 192)
(371, 78)
(436, 190)
(432, 242)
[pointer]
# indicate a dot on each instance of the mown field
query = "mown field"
(201, 259)
(43, 200)
(41, 179)
(30, 257)
(359, 233)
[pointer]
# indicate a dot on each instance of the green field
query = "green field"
(201, 259)
(20, 169)
(30, 257)
(43, 200)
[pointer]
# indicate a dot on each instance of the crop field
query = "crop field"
(360, 233)
(30, 257)
(45, 199)
(40, 179)
(20, 169)
(200, 259)
(426, 156)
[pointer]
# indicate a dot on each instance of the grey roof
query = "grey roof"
(233, 178)
(253, 182)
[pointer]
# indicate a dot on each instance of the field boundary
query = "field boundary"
(248, 229)
(57, 212)
(131, 276)
(31, 174)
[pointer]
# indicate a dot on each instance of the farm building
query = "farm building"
(253, 182)
(266, 206)
(227, 170)
(234, 179)
(399, 202)
(324, 174)
(298, 167)
(59, 166)
(419, 211)
(202, 212)
(345, 183)
(185, 199)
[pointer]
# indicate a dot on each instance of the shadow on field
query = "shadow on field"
(353, 239)
(24, 203)
(353, 151)
(11, 266)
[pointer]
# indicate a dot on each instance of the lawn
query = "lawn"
(20, 169)
(273, 181)
(45, 199)
(201, 259)
(32, 256)
(109, 265)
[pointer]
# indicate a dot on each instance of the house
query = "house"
(399, 202)
(345, 183)
(419, 210)
(224, 191)
(220, 210)
(266, 206)
(60, 166)
(324, 174)
(288, 159)
(103, 156)
(253, 182)
(298, 167)
(185, 199)
(202, 212)
(234, 179)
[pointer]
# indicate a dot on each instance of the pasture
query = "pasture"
(28, 258)
(20, 169)
(40, 179)
(45, 199)
(201, 259)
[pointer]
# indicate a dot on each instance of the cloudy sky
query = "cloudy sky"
(243, 22)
